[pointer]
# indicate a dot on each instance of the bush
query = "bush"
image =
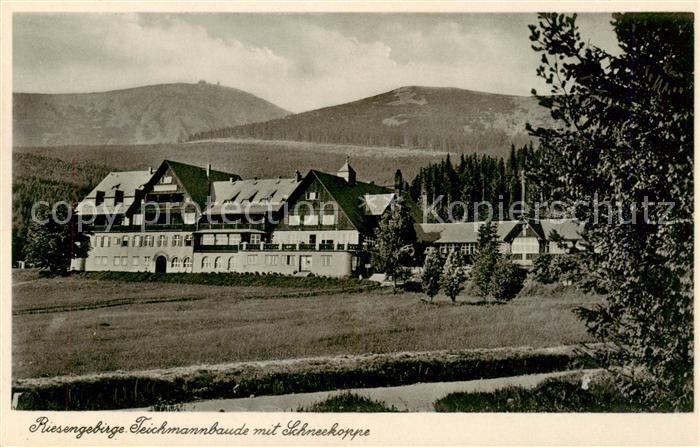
(349, 403)
(549, 269)
(507, 280)
(542, 269)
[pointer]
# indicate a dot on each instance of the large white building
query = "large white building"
(183, 218)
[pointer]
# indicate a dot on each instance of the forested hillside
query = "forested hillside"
(443, 119)
(150, 114)
(38, 178)
(474, 179)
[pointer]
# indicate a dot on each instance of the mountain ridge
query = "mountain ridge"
(434, 118)
(157, 113)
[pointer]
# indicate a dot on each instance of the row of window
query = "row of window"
(294, 220)
(118, 197)
(124, 261)
(138, 240)
(464, 248)
(218, 262)
(228, 239)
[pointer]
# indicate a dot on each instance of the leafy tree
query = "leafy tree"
(624, 138)
(52, 244)
(486, 258)
(453, 276)
(507, 280)
(432, 270)
(394, 240)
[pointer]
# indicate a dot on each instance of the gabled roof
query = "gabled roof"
(468, 232)
(376, 204)
(127, 181)
(461, 232)
(569, 229)
(253, 196)
(195, 180)
(349, 196)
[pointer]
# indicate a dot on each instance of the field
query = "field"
(168, 325)
(251, 158)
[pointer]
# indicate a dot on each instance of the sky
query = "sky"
(296, 61)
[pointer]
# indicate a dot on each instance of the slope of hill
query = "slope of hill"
(150, 114)
(445, 119)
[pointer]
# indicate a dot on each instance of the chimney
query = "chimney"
(230, 179)
(297, 175)
(208, 169)
(150, 170)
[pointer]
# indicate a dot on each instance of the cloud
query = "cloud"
(298, 62)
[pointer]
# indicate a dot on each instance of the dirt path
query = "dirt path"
(419, 397)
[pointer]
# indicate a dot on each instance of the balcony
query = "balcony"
(199, 247)
(231, 226)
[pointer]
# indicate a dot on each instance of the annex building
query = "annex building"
(184, 218)
(522, 240)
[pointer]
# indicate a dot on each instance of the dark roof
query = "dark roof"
(195, 180)
(349, 197)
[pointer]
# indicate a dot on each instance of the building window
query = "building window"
(162, 241)
(234, 239)
(311, 219)
(327, 241)
(325, 260)
(146, 261)
(148, 241)
(134, 241)
(206, 262)
(175, 263)
(188, 240)
(294, 220)
(125, 241)
(289, 259)
(125, 261)
(177, 240)
(104, 260)
(252, 259)
(115, 260)
(311, 195)
(99, 198)
(232, 263)
(208, 239)
(118, 197)
(135, 260)
(137, 219)
(222, 239)
(187, 262)
(255, 238)
(218, 263)
(328, 219)
(100, 241)
(271, 259)
(189, 218)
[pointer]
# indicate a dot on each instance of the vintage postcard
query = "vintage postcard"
(348, 223)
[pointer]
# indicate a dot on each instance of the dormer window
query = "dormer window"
(99, 198)
(118, 197)
(166, 179)
(311, 195)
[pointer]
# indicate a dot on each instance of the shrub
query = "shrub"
(349, 403)
(542, 269)
(453, 276)
(430, 277)
(507, 280)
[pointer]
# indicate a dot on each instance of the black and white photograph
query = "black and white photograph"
(314, 212)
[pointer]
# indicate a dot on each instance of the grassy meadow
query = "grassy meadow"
(171, 324)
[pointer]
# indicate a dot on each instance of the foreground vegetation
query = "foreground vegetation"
(349, 403)
(551, 396)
